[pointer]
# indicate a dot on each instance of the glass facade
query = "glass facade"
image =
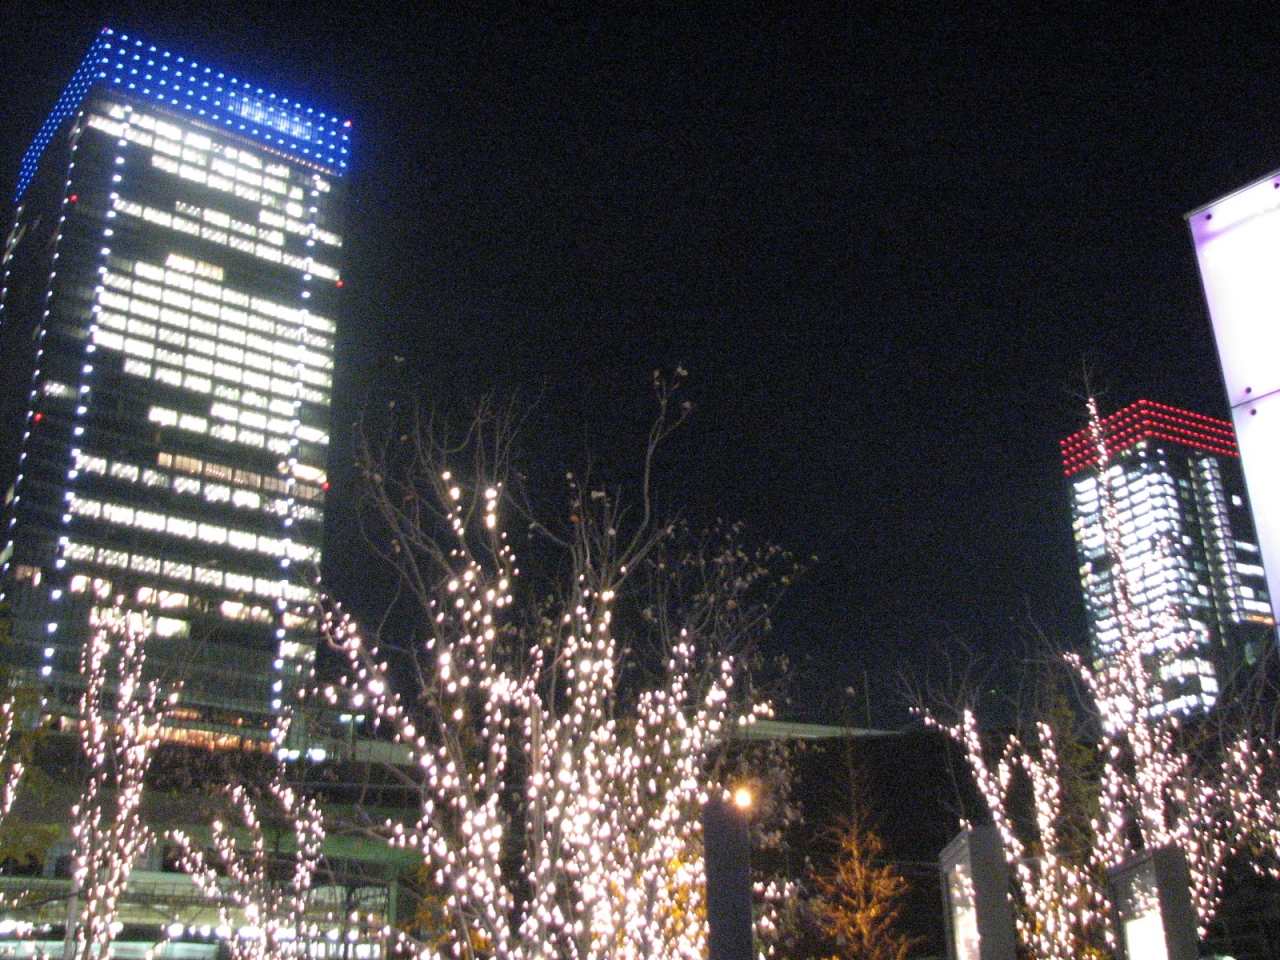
(1190, 565)
(169, 290)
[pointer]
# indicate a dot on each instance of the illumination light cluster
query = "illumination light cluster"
(1152, 791)
(12, 766)
(526, 757)
(302, 134)
(1147, 420)
(1064, 909)
(266, 917)
(118, 734)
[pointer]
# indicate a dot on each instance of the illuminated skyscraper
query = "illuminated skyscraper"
(170, 284)
(1195, 580)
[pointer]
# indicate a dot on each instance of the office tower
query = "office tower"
(1195, 582)
(169, 289)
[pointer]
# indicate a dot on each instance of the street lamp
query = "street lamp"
(727, 854)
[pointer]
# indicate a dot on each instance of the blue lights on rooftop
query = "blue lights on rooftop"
(182, 86)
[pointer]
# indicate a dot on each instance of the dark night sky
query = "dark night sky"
(881, 243)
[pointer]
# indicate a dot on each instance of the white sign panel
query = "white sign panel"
(1237, 243)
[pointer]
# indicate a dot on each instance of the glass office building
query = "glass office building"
(1190, 563)
(169, 290)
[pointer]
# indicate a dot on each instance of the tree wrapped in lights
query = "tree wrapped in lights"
(1059, 882)
(12, 765)
(1156, 781)
(561, 773)
(1150, 782)
(13, 768)
(120, 716)
(266, 913)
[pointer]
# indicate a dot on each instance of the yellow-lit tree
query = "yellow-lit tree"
(860, 898)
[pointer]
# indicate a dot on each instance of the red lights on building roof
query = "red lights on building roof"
(1148, 420)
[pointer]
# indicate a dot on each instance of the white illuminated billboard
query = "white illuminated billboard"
(1237, 240)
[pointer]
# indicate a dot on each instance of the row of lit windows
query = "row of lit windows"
(1185, 704)
(1187, 667)
(232, 170)
(219, 431)
(205, 280)
(230, 433)
(263, 251)
(213, 492)
(226, 172)
(121, 515)
(279, 340)
(129, 116)
(1131, 493)
(186, 572)
(249, 418)
(274, 225)
(197, 424)
(247, 478)
(166, 628)
(194, 147)
(147, 332)
(176, 600)
(225, 221)
(260, 421)
(288, 224)
(199, 381)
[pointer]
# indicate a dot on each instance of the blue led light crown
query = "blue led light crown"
(183, 86)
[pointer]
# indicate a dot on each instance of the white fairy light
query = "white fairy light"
(106, 822)
(553, 822)
(1152, 792)
(237, 877)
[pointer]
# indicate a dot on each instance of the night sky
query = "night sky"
(883, 243)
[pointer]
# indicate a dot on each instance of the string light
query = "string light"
(526, 756)
(106, 822)
(1152, 791)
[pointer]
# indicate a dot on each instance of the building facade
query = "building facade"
(1190, 565)
(169, 288)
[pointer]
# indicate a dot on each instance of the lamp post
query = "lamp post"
(727, 855)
